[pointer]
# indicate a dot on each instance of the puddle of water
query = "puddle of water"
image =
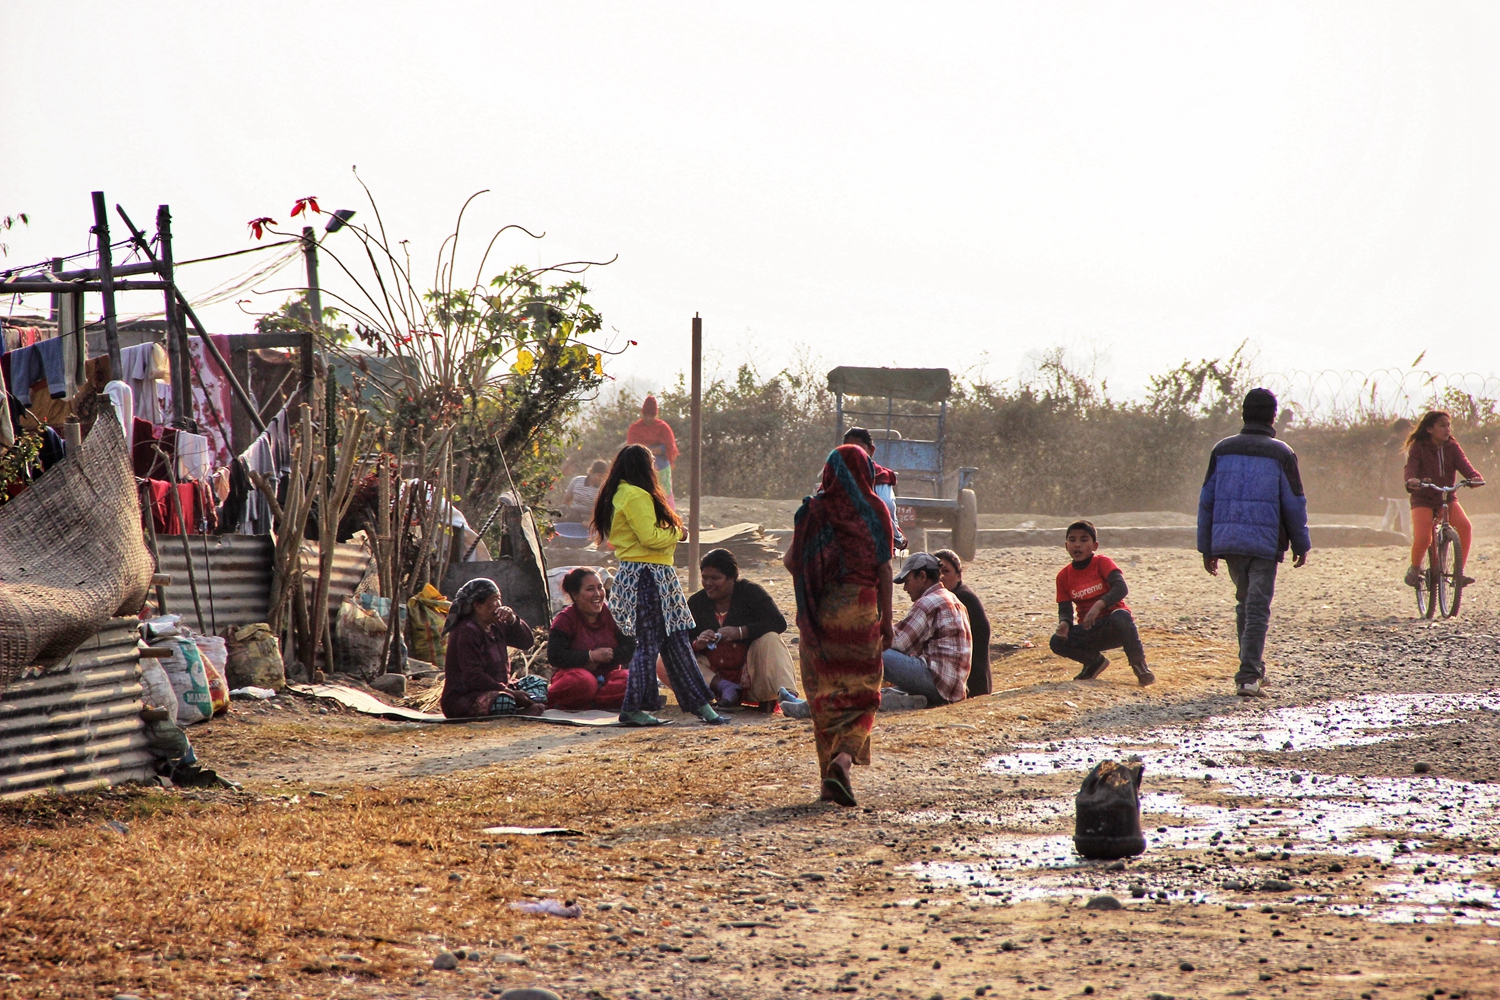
(1297, 813)
(1213, 745)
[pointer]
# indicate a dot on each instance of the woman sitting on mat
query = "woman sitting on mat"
(588, 652)
(738, 627)
(632, 514)
(476, 671)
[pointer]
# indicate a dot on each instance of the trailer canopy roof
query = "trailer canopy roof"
(927, 385)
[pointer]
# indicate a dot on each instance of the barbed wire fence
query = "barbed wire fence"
(1348, 398)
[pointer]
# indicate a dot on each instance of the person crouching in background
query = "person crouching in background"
(1094, 585)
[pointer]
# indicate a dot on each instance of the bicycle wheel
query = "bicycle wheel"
(1450, 589)
(1426, 590)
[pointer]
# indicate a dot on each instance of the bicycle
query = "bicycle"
(1442, 588)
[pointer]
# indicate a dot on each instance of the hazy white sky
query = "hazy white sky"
(919, 184)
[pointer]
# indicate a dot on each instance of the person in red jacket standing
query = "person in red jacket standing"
(1433, 456)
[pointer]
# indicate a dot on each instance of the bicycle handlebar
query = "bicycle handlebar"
(1446, 489)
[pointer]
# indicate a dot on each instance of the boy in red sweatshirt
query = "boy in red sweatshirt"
(1095, 586)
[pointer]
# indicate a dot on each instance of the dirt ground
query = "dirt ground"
(773, 514)
(1295, 850)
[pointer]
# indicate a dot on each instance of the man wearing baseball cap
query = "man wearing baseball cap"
(930, 653)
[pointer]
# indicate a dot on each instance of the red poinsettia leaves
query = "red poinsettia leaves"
(308, 204)
(258, 226)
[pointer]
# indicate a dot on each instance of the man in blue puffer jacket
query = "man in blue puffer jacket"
(1251, 507)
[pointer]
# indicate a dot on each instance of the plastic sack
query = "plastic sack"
(253, 693)
(161, 627)
(216, 664)
(189, 679)
(254, 658)
(360, 640)
(156, 689)
(426, 615)
(549, 908)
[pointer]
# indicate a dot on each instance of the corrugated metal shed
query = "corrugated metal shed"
(350, 561)
(76, 725)
(236, 572)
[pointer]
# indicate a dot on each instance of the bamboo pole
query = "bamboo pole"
(334, 504)
(182, 522)
(107, 283)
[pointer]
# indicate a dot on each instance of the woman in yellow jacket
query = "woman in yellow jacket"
(647, 601)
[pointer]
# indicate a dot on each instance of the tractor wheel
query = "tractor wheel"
(966, 534)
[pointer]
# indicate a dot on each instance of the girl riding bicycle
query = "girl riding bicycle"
(1432, 455)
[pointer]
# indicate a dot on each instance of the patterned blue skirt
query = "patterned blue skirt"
(624, 598)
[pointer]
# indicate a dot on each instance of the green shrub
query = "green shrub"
(1055, 442)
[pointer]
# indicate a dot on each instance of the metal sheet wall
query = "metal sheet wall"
(234, 580)
(78, 724)
(236, 574)
(350, 561)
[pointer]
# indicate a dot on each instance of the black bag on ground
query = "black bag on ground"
(1108, 823)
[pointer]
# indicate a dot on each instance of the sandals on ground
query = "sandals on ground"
(630, 723)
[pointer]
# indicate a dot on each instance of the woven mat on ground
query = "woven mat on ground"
(71, 553)
(370, 705)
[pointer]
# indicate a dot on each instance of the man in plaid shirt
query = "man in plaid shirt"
(930, 654)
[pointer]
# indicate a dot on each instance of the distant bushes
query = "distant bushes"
(1055, 442)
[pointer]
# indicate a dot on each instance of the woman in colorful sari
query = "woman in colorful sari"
(656, 434)
(840, 561)
(632, 515)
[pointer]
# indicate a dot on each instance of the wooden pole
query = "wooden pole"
(695, 476)
(177, 347)
(208, 344)
(314, 308)
(56, 270)
(107, 280)
(70, 332)
(148, 520)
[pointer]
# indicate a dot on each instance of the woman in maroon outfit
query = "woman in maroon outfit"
(589, 654)
(476, 671)
(1433, 456)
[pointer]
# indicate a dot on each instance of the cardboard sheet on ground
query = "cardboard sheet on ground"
(532, 831)
(370, 705)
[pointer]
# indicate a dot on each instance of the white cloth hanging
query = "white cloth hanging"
(123, 398)
(194, 457)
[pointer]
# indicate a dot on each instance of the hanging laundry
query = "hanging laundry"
(17, 337)
(143, 456)
(143, 367)
(161, 503)
(207, 514)
(271, 456)
(212, 398)
(42, 362)
(259, 457)
(123, 401)
(193, 456)
(233, 509)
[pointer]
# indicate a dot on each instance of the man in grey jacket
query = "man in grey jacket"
(1250, 509)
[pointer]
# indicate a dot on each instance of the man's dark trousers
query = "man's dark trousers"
(1113, 631)
(1254, 586)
